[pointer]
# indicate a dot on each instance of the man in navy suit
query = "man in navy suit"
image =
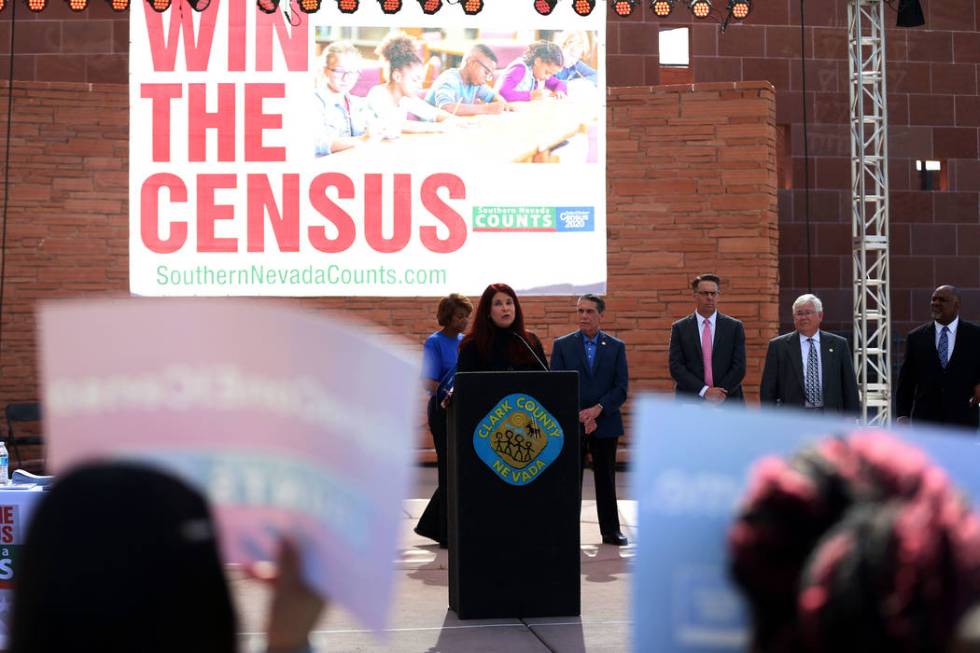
(707, 349)
(603, 377)
(940, 378)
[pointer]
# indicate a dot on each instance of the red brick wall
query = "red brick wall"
(709, 204)
(934, 113)
(58, 45)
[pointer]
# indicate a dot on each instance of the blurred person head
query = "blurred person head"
(574, 45)
(403, 65)
(945, 304)
(499, 314)
(454, 312)
(341, 66)
(855, 545)
(706, 289)
(807, 314)
(479, 66)
(121, 558)
(544, 58)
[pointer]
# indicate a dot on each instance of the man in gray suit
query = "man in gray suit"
(810, 368)
(707, 349)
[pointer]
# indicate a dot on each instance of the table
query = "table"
(525, 135)
(17, 505)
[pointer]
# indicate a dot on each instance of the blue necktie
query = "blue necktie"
(944, 347)
(589, 352)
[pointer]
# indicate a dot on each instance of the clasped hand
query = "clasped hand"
(588, 417)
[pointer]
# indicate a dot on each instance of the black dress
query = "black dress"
(507, 353)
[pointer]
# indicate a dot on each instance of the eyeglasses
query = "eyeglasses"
(804, 313)
(707, 293)
(486, 69)
(344, 74)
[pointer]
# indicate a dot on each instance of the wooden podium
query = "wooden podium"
(514, 495)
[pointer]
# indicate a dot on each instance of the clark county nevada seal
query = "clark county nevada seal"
(518, 439)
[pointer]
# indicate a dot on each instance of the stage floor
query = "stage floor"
(421, 619)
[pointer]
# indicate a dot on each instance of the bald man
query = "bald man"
(940, 378)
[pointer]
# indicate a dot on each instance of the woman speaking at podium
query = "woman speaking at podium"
(497, 340)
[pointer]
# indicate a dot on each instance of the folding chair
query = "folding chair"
(20, 415)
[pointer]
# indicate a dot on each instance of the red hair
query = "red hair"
(482, 327)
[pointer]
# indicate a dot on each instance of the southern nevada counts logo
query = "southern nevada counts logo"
(518, 439)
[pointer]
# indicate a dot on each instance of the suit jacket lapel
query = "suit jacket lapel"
(696, 334)
(795, 348)
(580, 350)
(599, 340)
(825, 356)
(721, 335)
(933, 350)
(696, 337)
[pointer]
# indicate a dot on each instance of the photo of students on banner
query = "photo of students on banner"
(513, 98)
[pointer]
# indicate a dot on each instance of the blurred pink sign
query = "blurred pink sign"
(290, 422)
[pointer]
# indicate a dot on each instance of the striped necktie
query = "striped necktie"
(814, 393)
(944, 347)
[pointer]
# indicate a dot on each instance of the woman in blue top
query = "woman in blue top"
(439, 367)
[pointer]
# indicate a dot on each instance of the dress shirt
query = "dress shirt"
(590, 347)
(950, 337)
(701, 320)
(805, 351)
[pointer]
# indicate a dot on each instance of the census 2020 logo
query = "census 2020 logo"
(518, 439)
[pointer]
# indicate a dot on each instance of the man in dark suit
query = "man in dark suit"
(603, 377)
(940, 378)
(808, 367)
(707, 349)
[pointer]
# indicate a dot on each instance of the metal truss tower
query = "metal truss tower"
(869, 207)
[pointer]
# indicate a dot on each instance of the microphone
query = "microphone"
(530, 349)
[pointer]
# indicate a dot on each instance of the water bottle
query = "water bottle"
(4, 465)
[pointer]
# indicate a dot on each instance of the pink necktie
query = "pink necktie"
(706, 351)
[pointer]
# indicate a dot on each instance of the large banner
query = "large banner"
(366, 153)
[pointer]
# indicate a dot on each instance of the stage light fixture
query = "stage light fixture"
(544, 7)
(624, 7)
(739, 9)
(583, 7)
(199, 5)
(430, 7)
(118, 5)
(77, 5)
(159, 6)
(267, 6)
(390, 6)
(308, 6)
(37, 5)
(348, 6)
(700, 8)
(662, 8)
(472, 7)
